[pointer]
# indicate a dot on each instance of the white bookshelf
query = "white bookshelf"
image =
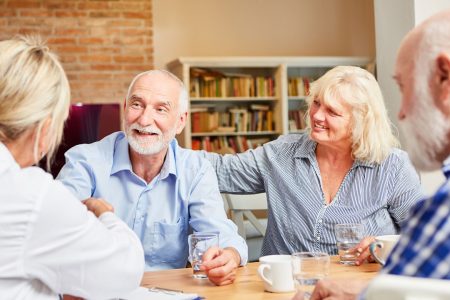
(280, 68)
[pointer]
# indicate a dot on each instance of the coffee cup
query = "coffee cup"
(382, 246)
(276, 272)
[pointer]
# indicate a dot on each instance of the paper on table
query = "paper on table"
(142, 293)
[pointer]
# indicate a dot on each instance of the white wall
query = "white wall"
(393, 19)
(261, 27)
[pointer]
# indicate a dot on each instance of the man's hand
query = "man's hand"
(221, 264)
(362, 250)
(329, 290)
(98, 206)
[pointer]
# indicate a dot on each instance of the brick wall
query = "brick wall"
(102, 44)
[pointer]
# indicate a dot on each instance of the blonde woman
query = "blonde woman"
(50, 243)
(344, 169)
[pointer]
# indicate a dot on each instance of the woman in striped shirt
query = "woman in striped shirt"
(344, 169)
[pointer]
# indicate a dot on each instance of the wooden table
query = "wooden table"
(248, 285)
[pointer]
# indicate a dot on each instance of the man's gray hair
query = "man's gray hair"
(183, 98)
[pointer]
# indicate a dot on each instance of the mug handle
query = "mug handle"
(373, 246)
(261, 269)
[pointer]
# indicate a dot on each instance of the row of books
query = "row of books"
(298, 86)
(297, 120)
(210, 83)
(255, 118)
(224, 144)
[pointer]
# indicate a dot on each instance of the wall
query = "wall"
(262, 27)
(393, 19)
(102, 44)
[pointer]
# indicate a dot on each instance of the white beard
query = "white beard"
(426, 128)
(147, 145)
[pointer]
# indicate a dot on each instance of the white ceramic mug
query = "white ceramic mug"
(384, 243)
(276, 272)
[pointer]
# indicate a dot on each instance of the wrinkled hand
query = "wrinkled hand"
(98, 206)
(362, 250)
(220, 265)
(326, 289)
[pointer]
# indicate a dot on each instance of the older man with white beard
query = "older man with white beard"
(423, 75)
(159, 189)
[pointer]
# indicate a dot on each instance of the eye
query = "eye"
(316, 103)
(162, 109)
(136, 105)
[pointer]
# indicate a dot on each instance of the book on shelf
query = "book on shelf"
(212, 83)
(298, 86)
(297, 120)
(227, 144)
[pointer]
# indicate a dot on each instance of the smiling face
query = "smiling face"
(330, 124)
(152, 117)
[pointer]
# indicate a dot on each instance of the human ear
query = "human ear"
(43, 143)
(442, 76)
(181, 122)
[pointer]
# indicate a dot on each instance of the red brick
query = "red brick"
(129, 40)
(8, 13)
(65, 13)
(105, 67)
(68, 58)
(128, 5)
(93, 5)
(71, 49)
(136, 15)
(128, 59)
(35, 13)
(93, 76)
(71, 31)
(140, 67)
(125, 23)
(23, 4)
(103, 14)
(95, 58)
(109, 50)
(91, 41)
(61, 40)
(60, 4)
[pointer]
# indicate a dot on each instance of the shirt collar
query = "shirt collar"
(308, 148)
(6, 158)
(122, 161)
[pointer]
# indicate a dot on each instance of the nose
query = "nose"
(147, 117)
(317, 114)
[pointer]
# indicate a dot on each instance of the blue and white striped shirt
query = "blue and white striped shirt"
(299, 219)
(424, 247)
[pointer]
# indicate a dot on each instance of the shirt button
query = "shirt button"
(318, 238)
(320, 221)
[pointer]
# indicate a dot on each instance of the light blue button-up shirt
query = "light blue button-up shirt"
(183, 197)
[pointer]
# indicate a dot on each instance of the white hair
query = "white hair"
(426, 126)
(183, 98)
(33, 88)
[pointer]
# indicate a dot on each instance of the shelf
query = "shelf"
(231, 99)
(246, 133)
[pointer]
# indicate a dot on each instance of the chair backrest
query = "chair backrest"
(395, 287)
(242, 205)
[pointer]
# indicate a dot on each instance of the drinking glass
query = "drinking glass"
(199, 242)
(308, 268)
(347, 237)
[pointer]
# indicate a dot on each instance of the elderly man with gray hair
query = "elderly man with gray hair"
(423, 75)
(159, 189)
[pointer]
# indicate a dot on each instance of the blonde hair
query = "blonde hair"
(33, 88)
(371, 129)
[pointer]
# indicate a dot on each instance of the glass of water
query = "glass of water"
(199, 242)
(308, 268)
(348, 237)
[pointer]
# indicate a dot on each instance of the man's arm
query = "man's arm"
(207, 214)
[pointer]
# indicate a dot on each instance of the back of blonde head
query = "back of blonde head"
(371, 131)
(33, 88)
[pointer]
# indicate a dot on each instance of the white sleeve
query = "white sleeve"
(73, 252)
